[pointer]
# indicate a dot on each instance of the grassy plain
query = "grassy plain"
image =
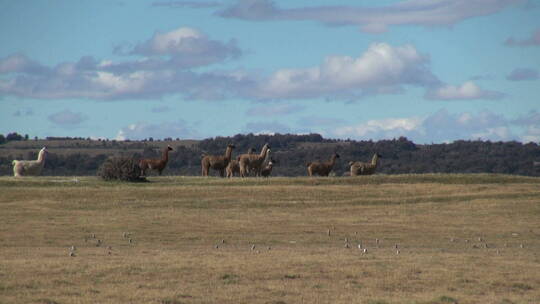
(277, 240)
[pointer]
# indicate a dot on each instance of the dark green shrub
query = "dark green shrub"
(120, 168)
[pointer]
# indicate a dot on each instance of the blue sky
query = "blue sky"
(433, 71)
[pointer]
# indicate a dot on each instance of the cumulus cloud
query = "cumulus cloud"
(20, 63)
(163, 67)
(67, 118)
(381, 69)
(441, 126)
(533, 40)
(186, 4)
(144, 130)
(187, 47)
(523, 74)
(427, 13)
(466, 91)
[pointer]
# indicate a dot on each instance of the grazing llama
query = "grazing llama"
(30, 167)
(322, 168)
(253, 162)
(267, 170)
(360, 168)
(155, 164)
(234, 166)
(217, 162)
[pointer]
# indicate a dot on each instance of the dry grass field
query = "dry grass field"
(461, 239)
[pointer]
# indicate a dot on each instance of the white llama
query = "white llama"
(30, 167)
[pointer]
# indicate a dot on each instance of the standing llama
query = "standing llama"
(217, 162)
(253, 162)
(155, 164)
(30, 167)
(322, 168)
(234, 166)
(361, 168)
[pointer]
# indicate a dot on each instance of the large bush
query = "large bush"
(120, 168)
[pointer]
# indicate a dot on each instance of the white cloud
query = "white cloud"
(440, 126)
(428, 13)
(187, 47)
(267, 128)
(532, 134)
(381, 69)
(384, 128)
(468, 90)
(144, 130)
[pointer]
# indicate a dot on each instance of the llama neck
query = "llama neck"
(41, 156)
(374, 160)
(228, 153)
(263, 151)
(165, 156)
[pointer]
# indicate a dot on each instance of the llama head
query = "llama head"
(232, 146)
(169, 148)
(351, 163)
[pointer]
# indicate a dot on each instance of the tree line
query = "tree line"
(291, 153)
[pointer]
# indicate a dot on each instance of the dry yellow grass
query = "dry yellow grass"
(440, 223)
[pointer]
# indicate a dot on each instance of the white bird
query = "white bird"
(360, 246)
(73, 248)
(252, 247)
(365, 250)
(521, 246)
(397, 251)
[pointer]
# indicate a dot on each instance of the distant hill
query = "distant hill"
(79, 156)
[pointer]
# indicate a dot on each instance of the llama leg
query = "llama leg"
(242, 170)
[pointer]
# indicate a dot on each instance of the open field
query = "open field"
(461, 239)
